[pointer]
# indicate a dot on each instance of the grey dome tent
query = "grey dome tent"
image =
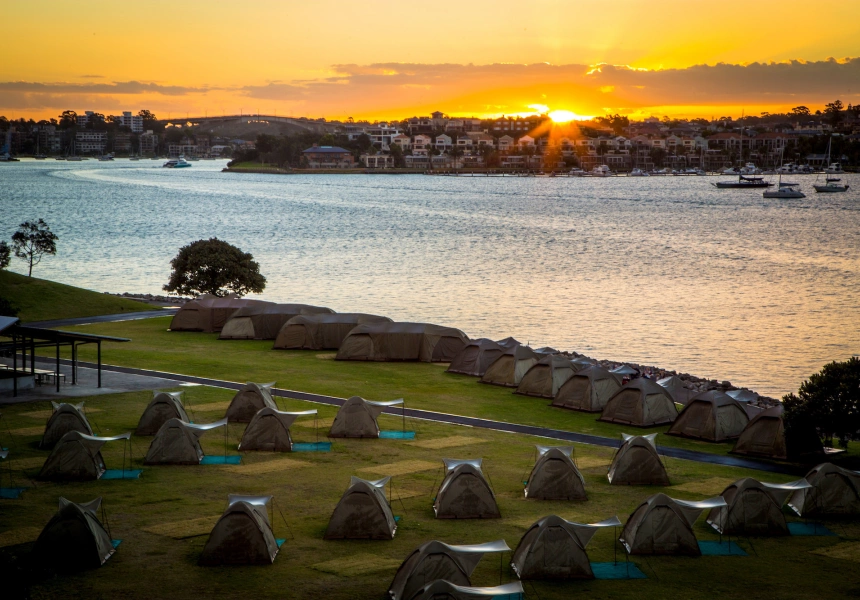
(208, 313)
(833, 491)
(764, 436)
(712, 416)
(555, 476)
(321, 331)
(177, 443)
(546, 376)
(676, 388)
(65, 418)
(77, 457)
(264, 321)
(248, 400)
(243, 534)
(437, 560)
(476, 357)
(464, 492)
(636, 462)
(508, 370)
(588, 390)
(508, 342)
(753, 508)
(362, 513)
(663, 525)
(743, 395)
(269, 430)
(402, 342)
(357, 418)
(163, 407)
(624, 371)
(641, 403)
(554, 548)
(74, 539)
(445, 590)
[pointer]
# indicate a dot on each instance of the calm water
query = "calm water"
(660, 270)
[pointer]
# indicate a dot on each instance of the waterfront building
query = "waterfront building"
(377, 161)
(90, 142)
(133, 122)
(328, 157)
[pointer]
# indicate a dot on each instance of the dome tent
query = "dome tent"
(476, 357)
(663, 525)
(546, 376)
(464, 492)
(357, 417)
(437, 560)
(743, 395)
(269, 430)
(676, 388)
(321, 331)
(554, 548)
(587, 390)
(163, 407)
(243, 534)
(764, 436)
(65, 418)
(555, 476)
(445, 590)
(385, 341)
(753, 508)
(712, 416)
(362, 513)
(74, 539)
(508, 370)
(248, 400)
(77, 457)
(264, 321)
(636, 462)
(641, 403)
(624, 371)
(833, 491)
(209, 313)
(177, 443)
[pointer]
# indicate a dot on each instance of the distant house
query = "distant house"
(328, 157)
(444, 142)
(506, 142)
(377, 161)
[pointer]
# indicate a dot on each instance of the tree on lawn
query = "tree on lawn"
(32, 241)
(214, 267)
(5, 255)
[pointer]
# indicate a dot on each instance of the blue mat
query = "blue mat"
(397, 518)
(280, 541)
(221, 460)
(397, 435)
(798, 528)
(11, 493)
(721, 549)
(619, 570)
(122, 474)
(312, 447)
(115, 543)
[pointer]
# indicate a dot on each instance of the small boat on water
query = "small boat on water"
(831, 185)
(176, 163)
(784, 190)
(601, 171)
(638, 173)
(744, 183)
(834, 169)
(574, 172)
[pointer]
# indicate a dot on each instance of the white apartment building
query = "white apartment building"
(90, 142)
(133, 122)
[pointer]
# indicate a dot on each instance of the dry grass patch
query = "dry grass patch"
(707, 487)
(327, 356)
(404, 494)
(46, 414)
(447, 442)
(210, 407)
(23, 431)
(357, 564)
(269, 466)
(590, 462)
(402, 467)
(179, 530)
(845, 551)
(13, 537)
(309, 423)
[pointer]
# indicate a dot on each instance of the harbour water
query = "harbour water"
(665, 271)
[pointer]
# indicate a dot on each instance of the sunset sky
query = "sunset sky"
(393, 59)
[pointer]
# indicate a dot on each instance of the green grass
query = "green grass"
(43, 300)
(149, 565)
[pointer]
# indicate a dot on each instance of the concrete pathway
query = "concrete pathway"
(129, 316)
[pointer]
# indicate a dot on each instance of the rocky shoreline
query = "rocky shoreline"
(154, 299)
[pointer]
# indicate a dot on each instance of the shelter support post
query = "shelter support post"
(74, 363)
(14, 366)
(99, 355)
(57, 374)
(33, 356)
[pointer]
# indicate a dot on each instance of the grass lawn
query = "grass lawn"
(184, 501)
(42, 300)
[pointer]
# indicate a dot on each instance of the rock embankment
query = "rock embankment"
(154, 299)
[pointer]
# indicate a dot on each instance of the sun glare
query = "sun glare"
(566, 116)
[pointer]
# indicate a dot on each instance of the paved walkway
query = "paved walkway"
(129, 316)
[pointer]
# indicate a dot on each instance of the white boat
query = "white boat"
(601, 171)
(666, 171)
(574, 172)
(832, 185)
(750, 169)
(74, 158)
(787, 168)
(638, 173)
(176, 163)
(784, 190)
(834, 169)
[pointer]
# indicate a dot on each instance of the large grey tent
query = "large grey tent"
(264, 321)
(464, 492)
(753, 508)
(764, 435)
(476, 357)
(321, 331)
(711, 416)
(178, 443)
(269, 430)
(743, 395)
(641, 403)
(65, 418)
(508, 370)
(445, 590)
(662, 525)
(554, 548)
(243, 534)
(74, 538)
(636, 462)
(555, 476)
(547, 376)
(357, 418)
(77, 457)
(675, 386)
(589, 389)
(833, 491)
(163, 407)
(437, 560)
(209, 313)
(624, 371)
(384, 341)
(362, 513)
(251, 398)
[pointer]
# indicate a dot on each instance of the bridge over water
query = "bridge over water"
(304, 123)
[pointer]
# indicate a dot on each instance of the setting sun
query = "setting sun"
(566, 116)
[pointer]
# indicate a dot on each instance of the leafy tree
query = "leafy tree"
(829, 401)
(7, 309)
(214, 267)
(68, 120)
(5, 255)
(800, 111)
(397, 153)
(266, 143)
(833, 110)
(364, 142)
(32, 241)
